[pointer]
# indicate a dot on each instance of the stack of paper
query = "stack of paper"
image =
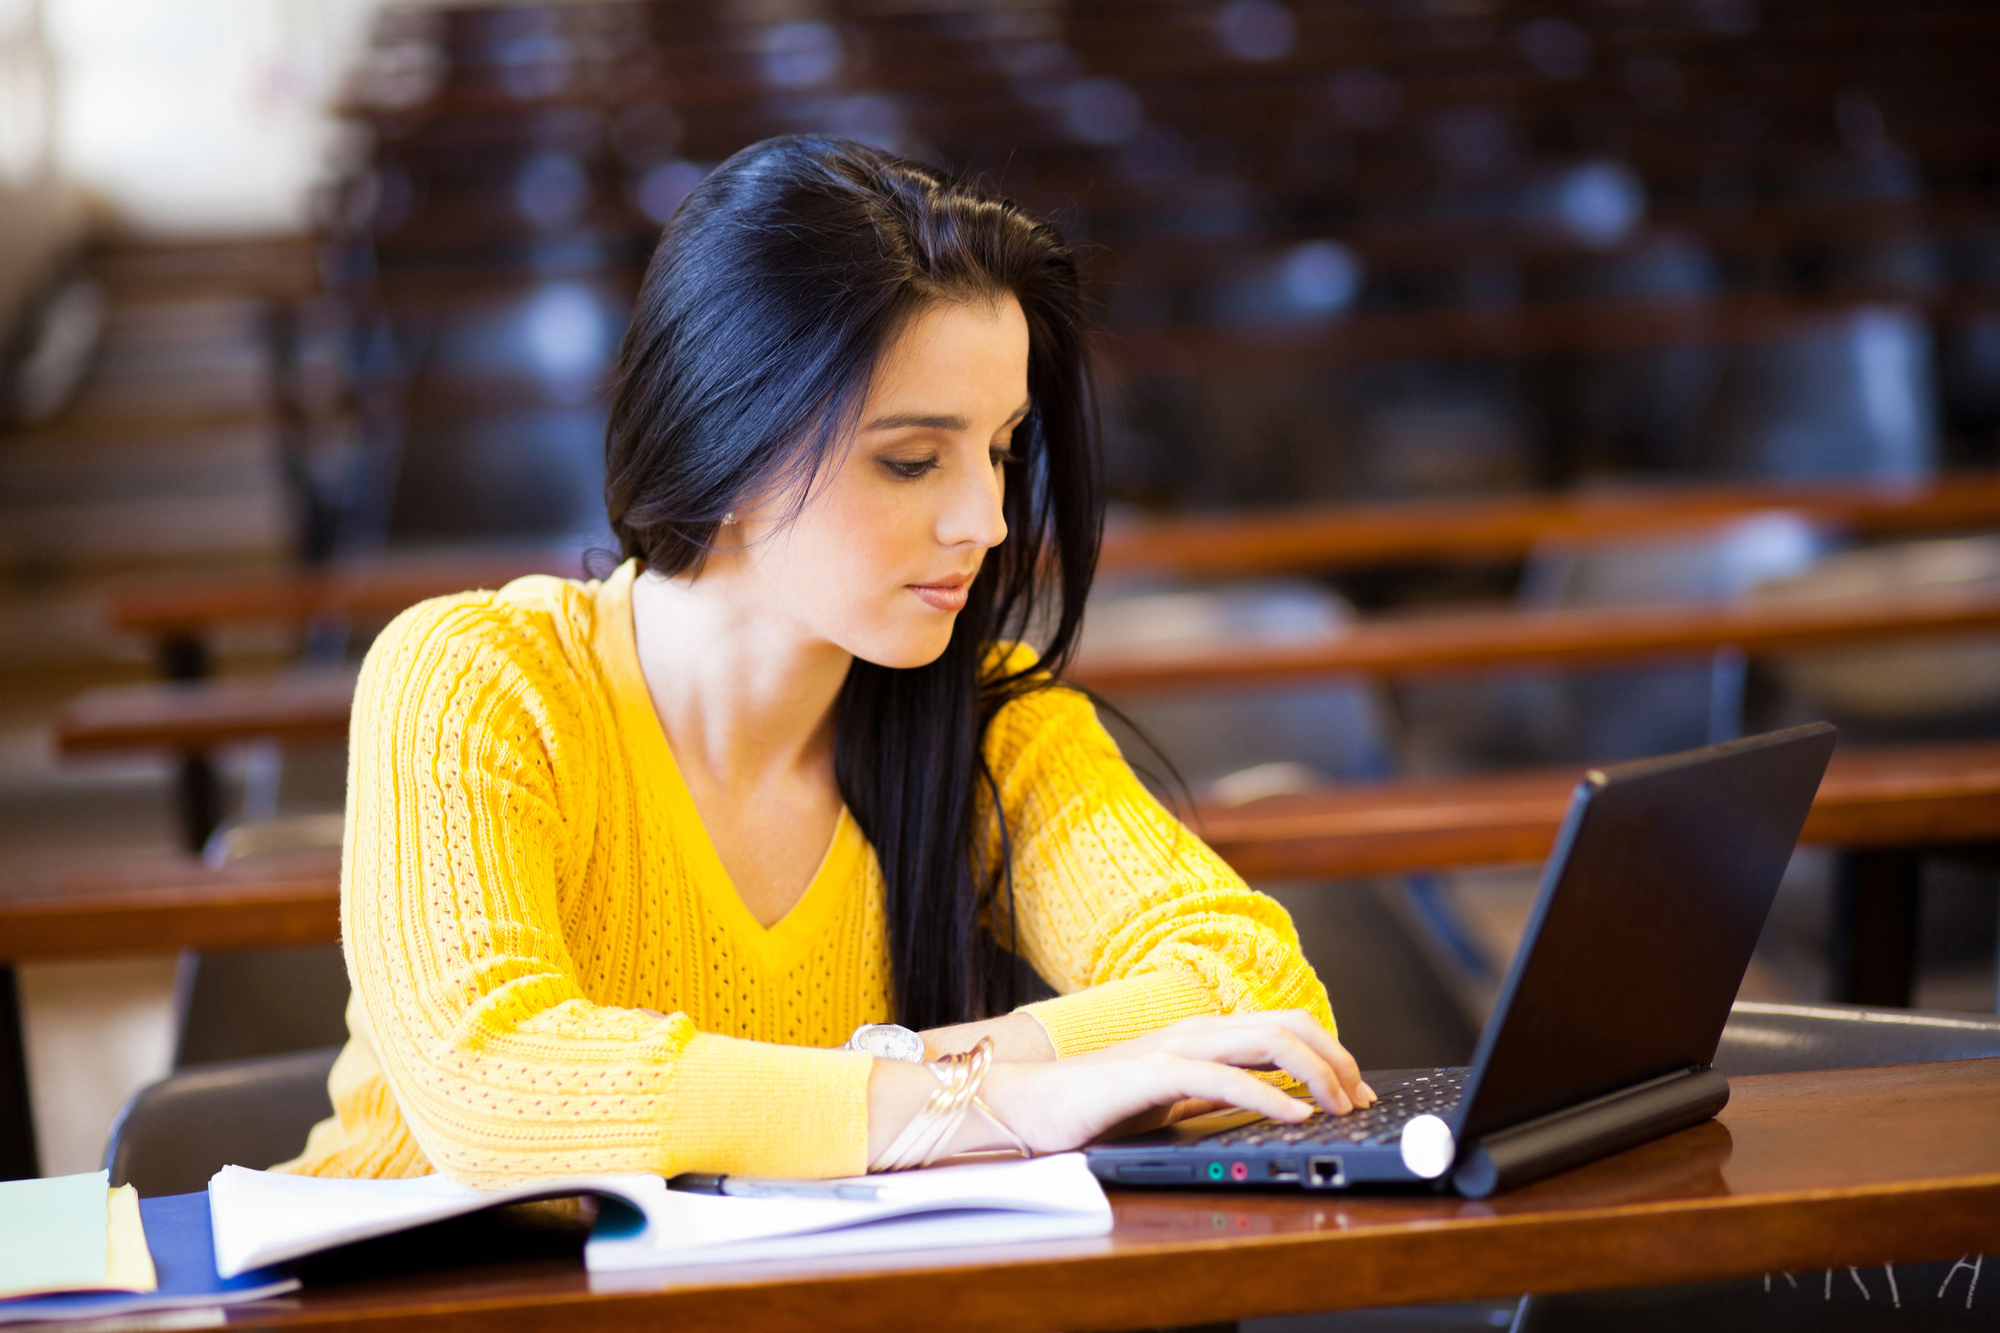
(262, 1218)
(72, 1233)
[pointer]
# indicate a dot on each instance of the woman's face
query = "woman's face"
(880, 559)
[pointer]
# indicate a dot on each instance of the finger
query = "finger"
(1189, 1107)
(1309, 1030)
(1219, 1082)
(1269, 1041)
(1288, 1052)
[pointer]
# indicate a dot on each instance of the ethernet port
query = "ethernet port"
(1326, 1173)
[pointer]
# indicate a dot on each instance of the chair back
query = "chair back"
(173, 1135)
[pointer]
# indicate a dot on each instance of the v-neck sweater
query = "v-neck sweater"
(525, 875)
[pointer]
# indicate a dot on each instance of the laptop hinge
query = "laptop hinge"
(1597, 1128)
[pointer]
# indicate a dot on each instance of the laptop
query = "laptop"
(1606, 1028)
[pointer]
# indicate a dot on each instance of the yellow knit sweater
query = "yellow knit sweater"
(525, 873)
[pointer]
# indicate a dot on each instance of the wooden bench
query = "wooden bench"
(1877, 797)
(195, 716)
(1882, 799)
(1508, 527)
(185, 607)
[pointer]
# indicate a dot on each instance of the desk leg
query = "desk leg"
(1877, 896)
(185, 657)
(18, 1158)
(200, 800)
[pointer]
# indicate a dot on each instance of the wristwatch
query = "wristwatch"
(887, 1041)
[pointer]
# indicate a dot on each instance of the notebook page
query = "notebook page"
(54, 1233)
(262, 1217)
(980, 1204)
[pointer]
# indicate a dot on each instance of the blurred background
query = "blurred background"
(298, 285)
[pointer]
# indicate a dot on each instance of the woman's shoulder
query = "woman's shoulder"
(536, 630)
(1044, 709)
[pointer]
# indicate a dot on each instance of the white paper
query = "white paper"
(262, 1218)
(989, 1203)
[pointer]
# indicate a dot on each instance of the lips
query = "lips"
(946, 595)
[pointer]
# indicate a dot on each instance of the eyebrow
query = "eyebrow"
(917, 421)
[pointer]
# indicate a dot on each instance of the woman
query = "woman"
(628, 860)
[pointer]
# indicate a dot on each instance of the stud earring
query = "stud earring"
(729, 517)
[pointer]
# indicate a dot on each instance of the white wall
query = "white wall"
(199, 117)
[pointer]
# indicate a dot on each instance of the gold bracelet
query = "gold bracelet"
(959, 1078)
(931, 1128)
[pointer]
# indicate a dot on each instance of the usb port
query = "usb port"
(1284, 1170)
(1327, 1173)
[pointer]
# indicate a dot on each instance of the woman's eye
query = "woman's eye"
(1003, 453)
(909, 469)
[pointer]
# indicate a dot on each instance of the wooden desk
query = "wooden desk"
(191, 716)
(1893, 796)
(1228, 545)
(1800, 1172)
(1508, 527)
(1503, 640)
(1888, 801)
(170, 605)
(162, 905)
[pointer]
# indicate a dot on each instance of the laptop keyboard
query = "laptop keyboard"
(1432, 1093)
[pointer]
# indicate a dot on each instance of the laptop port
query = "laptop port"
(1284, 1170)
(1326, 1173)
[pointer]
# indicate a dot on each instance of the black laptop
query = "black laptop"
(1607, 1025)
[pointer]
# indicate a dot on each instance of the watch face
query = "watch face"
(887, 1041)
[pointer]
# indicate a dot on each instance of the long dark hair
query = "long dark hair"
(772, 295)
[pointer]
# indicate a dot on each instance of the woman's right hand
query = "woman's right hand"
(1058, 1105)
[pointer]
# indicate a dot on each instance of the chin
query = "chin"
(906, 650)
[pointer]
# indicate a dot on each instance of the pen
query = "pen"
(760, 1187)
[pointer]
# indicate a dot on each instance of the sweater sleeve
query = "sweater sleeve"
(471, 797)
(1118, 905)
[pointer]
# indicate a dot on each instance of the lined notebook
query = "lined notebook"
(261, 1218)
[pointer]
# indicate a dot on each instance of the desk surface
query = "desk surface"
(1801, 1171)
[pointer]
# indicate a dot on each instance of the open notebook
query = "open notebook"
(261, 1218)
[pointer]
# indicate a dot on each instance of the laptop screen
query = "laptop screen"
(1651, 903)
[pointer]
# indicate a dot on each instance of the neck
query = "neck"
(742, 694)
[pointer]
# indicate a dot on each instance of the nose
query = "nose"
(972, 514)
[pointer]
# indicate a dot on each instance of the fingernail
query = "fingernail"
(1369, 1093)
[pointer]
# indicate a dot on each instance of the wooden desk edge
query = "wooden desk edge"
(1134, 1284)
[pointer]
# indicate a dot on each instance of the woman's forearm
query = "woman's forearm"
(897, 1091)
(1018, 1038)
